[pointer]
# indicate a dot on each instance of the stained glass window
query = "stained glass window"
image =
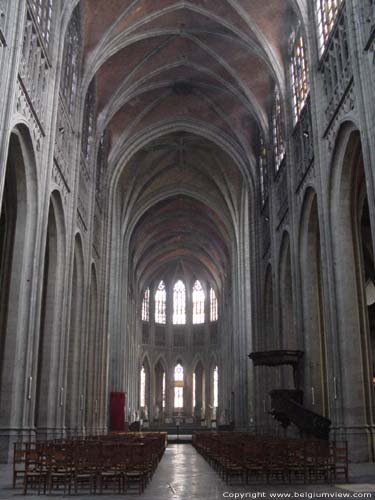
(179, 303)
(263, 171)
(71, 60)
(142, 397)
(278, 130)
(216, 387)
(43, 15)
(89, 121)
(213, 306)
(178, 386)
(160, 303)
(326, 12)
(146, 305)
(198, 303)
(163, 391)
(299, 75)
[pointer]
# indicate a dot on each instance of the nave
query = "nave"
(183, 474)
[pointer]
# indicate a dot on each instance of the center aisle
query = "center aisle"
(183, 473)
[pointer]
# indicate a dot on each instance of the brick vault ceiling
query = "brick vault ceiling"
(213, 63)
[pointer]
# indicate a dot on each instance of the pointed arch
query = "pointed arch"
(50, 336)
(286, 312)
(353, 271)
(19, 215)
(312, 306)
(75, 340)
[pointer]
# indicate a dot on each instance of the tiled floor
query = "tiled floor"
(184, 474)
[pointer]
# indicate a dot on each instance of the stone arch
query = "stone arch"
(49, 384)
(75, 342)
(315, 359)
(91, 348)
(286, 314)
(353, 271)
(19, 214)
(146, 364)
(199, 374)
(160, 372)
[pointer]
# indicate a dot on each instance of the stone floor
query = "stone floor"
(184, 474)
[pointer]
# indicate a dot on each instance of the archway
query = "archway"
(92, 403)
(17, 258)
(288, 338)
(49, 394)
(160, 391)
(75, 344)
(354, 264)
(199, 392)
(315, 362)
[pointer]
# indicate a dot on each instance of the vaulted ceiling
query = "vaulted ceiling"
(212, 64)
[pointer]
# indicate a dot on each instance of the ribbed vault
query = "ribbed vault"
(218, 60)
(180, 197)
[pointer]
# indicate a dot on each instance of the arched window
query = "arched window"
(146, 306)
(163, 391)
(178, 386)
(194, 390)
(160, 304)
(216, 387)
(179, 303)
(263, 171)
(88, 129)
(142, 397)
(42, 10)
(278, 130)
(326, 13)
(213, 305)
(198, 303)
(299, 75)
(71, 60)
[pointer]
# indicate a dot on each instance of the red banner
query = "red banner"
(117, 412)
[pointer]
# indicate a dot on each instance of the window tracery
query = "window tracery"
(326, 13)
(263, 172)
(146, 305)
(299, 75)
(198, 303)
(213, 305)
(179, 303)
(178, 386)
(278, 131)
(142, 397)
(160, 303)
(88, 129)
(43, 10)
(216, 387)
(71, 61)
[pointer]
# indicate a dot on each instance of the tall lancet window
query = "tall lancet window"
(213, 306)
(163, 391)
(146, 306)
(299, 75)
(142, 397)
(160, 303)
(326, 11)
(216, 387)
(278, 130)
(198, 303)
(179, 303)
(42, 10)
(178, 386)
(71, 61)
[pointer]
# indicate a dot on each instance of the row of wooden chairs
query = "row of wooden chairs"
(245, 458)
(118, 464)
